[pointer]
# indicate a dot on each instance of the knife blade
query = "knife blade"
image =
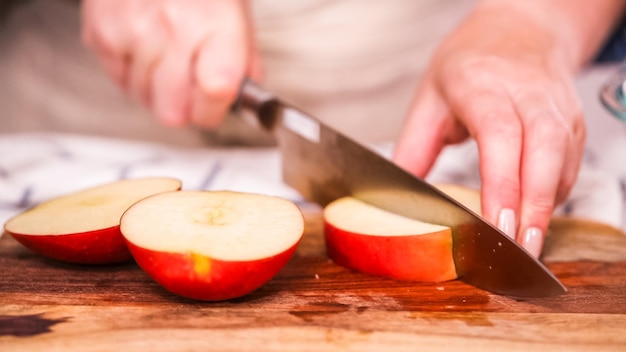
(323, 165)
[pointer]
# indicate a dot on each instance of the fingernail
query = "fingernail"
(533, 241)
(506, 222)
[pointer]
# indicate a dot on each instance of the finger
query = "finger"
(139, 76)
(171, 87)
(113, 58)
(256, 71)
(573, 159)
(255, 67)
(492, 120)
(220, 67)
(219, 74)
(568, 101)
(146, 57)
(428, 128)
(88, 11)
(117, 68)
(546, 142)
(107, 41)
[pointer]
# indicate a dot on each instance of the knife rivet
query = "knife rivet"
(499, 244)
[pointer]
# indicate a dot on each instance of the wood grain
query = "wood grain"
(313, 304)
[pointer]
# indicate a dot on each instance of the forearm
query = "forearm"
(579, 27)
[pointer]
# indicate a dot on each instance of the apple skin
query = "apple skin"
(422, 257)
(104, 246)
(64, 231)
(202, 278)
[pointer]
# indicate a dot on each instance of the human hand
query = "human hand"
(183, 59)
(501, 79)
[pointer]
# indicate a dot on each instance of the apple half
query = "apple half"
(84, 227)
(367, 239)
(212, 245)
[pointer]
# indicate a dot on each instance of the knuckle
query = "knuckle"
(541, 206)
(496, 126)
(508, 186)
(476, 71)
(497, 130)
(549, 131)
(505, 192)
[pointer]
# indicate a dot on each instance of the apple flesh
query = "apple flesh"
(212, 245)
(367, 239)
(469, 197)
(84, 227)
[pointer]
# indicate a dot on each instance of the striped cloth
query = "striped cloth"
(35, 167)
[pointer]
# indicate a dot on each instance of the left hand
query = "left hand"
(499, 79)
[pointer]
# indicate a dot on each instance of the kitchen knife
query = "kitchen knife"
(324, 165)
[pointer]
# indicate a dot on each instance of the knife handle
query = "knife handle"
(256, 105)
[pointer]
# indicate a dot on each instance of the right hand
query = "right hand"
(183, 59)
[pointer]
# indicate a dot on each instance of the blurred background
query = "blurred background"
(355, 69)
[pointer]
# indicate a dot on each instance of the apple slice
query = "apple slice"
(467, 196)
(365, 238)
(212, 245)
(84, 227)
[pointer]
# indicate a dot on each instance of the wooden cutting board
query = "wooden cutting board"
(314, 305)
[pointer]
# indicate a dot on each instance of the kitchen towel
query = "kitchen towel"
(35, 167)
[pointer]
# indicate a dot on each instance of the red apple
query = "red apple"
(84, 227)
(212, 245)
(467, 196)
(365, 238)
